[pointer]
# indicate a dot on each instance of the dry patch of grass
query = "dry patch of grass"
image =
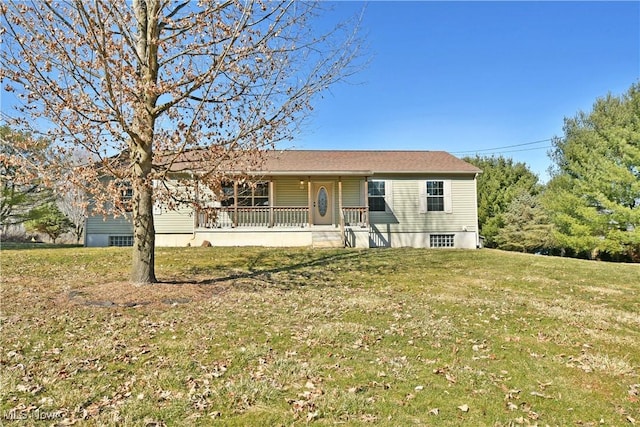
(250, 336)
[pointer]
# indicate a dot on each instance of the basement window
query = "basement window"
(120, 240)
(441, 241)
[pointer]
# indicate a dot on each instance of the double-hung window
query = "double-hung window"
(377, 192)
(435, 196)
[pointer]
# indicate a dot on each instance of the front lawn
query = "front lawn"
(256, 336)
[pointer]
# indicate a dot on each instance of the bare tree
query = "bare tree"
(73, 203)
(154, 87)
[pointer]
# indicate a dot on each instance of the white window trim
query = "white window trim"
(388, 196)
(447, 196)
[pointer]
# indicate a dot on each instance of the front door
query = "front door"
(322, 203)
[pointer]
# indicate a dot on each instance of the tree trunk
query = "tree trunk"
(144, 236)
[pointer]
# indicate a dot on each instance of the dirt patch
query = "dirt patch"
(124, 294)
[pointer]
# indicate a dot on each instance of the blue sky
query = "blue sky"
(467, 76)
(475, 77)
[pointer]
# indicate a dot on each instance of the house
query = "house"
(327, 198)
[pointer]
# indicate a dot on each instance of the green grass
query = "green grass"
(254, 336)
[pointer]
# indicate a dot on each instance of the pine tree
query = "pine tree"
(527, 226)
(594, 195)
(501, 181)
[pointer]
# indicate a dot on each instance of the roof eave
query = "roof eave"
(314, 173)
(430, 172)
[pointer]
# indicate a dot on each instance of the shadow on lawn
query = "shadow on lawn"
(30, 245)
(296, 273)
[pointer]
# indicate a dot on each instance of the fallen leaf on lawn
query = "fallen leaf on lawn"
(544, 385)
(538, 394)
(464, 408)
(434, 411)
(511, 394)
(369, 418)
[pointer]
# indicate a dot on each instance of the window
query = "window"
(376, 196)
(227, 195)
(435, 196)
(441, 240)
(260, 194)
(256, 194)
(125, 196)
(120, 240)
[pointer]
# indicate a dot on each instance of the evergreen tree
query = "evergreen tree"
(501, 181)
(527, 226)
(48, 219)
(594, 195)
(21, 190)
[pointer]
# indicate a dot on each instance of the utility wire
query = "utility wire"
(524, 149)
(499, 149)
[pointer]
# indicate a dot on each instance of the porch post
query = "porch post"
(196, 208)
(342, 236)
(366, 198)
(235, 203)
(366, 191)
(271, 203)
(309, 202)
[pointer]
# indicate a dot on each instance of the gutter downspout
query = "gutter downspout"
(196, 212)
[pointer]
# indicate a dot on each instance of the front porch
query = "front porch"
(282, 226)
(287, 211)
(275, 216)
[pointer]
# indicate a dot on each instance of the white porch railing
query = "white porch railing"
(356, 216)
(253, 216)
(273, 216)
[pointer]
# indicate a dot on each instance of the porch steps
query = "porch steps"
(327, 239)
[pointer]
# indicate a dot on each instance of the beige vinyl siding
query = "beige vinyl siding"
(99, 224)
(389, 216)
(352, 192)
(405, 215)
(170, 222)
(288, 192)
